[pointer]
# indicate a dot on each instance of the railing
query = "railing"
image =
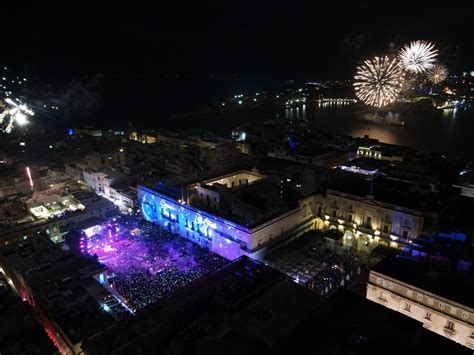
(365, 230)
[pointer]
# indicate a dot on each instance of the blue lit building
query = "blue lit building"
(226, 237)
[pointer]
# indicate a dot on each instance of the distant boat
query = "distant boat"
(399, 124)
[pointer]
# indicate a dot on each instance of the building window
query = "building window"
(428, 316)
(409, 293)
(450, 325)
(419, 297)
(442, 306)
(430, 301)
(453, 310)
(349, 218)
(465, 315)
(407, 307)
(368, 221)
(385, 228)
(405, 235)
(334, 213)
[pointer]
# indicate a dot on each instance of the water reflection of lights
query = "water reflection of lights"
(450, 112)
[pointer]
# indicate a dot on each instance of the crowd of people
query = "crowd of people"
(339, 266)
(323, 267)
(147, 262)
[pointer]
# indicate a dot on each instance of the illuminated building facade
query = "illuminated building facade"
(220, 235)
(373, 149)
(417, 299)
(380, 152)
(367, 222)
(112, 185)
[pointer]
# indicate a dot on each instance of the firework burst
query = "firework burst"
(438, 73)
(378, 81)
(13, 113)
(418, 56)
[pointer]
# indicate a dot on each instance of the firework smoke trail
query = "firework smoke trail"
(378, 81)
(418, 56)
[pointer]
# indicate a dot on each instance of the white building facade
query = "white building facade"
(437, 314)
(367, 222)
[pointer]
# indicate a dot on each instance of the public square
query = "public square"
(147, 262)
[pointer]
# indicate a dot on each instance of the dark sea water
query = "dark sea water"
(149, 106)
(429, 129)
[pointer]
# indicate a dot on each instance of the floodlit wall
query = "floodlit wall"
(438, 314)
(222, 236)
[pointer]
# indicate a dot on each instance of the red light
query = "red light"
(28, 173)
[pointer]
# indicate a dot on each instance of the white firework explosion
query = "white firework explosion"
(13, 113)
(378, 81)
(418, 56)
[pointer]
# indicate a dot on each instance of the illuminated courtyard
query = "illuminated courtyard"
(147, 262)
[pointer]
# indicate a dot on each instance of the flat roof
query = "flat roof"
(244, 300)
(233, 174)
(457, 215)
(366, 163)
(57, 281)
(351, 324)
(397, 193)
(450, 284)
(254, 201)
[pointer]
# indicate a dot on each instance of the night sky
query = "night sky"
(148, 55)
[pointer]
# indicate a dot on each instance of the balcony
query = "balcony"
(338, 221)
(448, 332)
(365, 229)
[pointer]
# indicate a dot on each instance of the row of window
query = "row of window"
(441, 305)
(449, 325)
(387, 217)
(420, 297)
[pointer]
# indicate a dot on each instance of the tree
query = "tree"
(333, 234)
